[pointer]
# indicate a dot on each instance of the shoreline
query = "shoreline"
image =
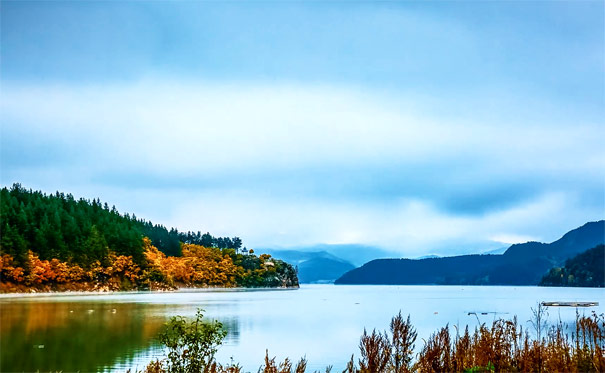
(114, 292)
(218, 289)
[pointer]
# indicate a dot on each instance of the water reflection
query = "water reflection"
(86, 333)
(52, 336)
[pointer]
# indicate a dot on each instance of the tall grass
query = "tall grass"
(503, 346)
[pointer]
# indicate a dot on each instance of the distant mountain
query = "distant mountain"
(322, 270)
(314, 266)
(356, 254)
(586, 269)
(466, 269)
(521, 264)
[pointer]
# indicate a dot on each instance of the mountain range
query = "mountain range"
(521, 264)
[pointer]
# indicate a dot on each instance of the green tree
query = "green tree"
(95, 247)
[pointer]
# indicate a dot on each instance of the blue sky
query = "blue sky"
(421, 127)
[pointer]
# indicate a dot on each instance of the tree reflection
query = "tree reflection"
(51, 335)
(58, 336)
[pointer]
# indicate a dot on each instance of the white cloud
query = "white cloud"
(201, 126)
(285, 164)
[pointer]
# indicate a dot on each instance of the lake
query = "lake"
(115, 332)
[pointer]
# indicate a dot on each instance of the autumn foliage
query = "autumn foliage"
(46, 275)
(198, 266)
(211, 266)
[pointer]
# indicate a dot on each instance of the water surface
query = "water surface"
(114, 332)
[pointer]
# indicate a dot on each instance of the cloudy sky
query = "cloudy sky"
(420, 127)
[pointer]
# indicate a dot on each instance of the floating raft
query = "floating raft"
(570, 304)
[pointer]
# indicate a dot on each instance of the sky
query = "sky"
(421, 127)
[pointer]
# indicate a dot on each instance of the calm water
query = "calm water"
(322, 322)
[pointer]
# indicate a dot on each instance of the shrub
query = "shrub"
(191, 345)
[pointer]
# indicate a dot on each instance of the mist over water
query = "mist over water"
(322, 322)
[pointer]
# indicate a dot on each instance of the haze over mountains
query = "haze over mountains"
(324, 263)
(356, 254)
(314, 266)
(521, 264)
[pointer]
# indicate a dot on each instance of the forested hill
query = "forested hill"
(87, 234)
(583, 270)
(521, 264)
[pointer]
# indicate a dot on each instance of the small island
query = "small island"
(57, 243)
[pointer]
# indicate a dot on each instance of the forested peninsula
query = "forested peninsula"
(58, 243)
(583, 270)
